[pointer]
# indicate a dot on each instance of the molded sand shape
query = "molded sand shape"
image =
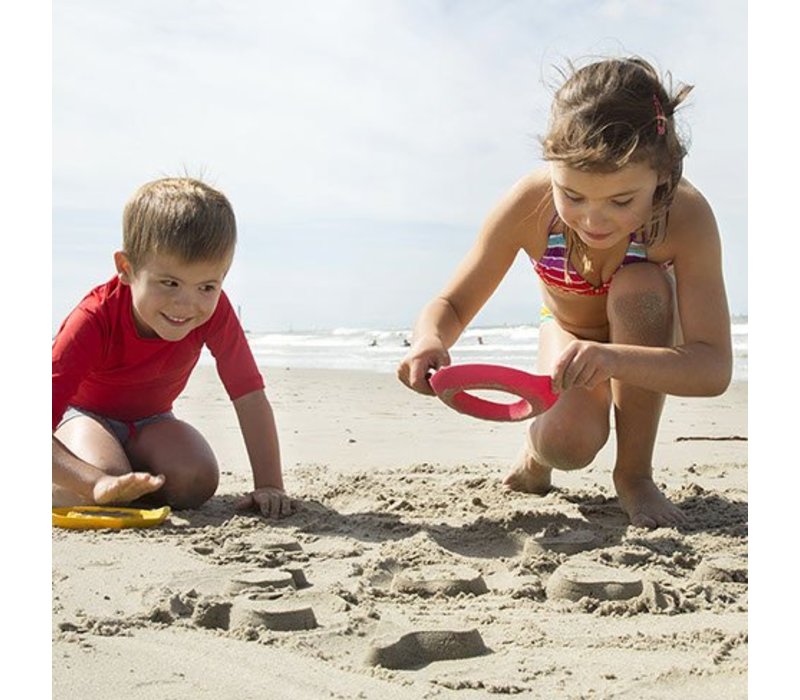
(574, 580)
(298, 575)
(273, 614)
(212, 613)
(627, 555)
(268, 579)
(724, 567)
(416, 649)
(566, 542)
(439, 578)
(286, 544)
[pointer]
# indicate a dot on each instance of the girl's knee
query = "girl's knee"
(640, 305)
(562, 445)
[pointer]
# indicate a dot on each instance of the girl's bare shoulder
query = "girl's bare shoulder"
(691, 222)
(691, 211)
(527, 208)
(531, 190)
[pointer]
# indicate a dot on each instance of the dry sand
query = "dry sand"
(408, 572)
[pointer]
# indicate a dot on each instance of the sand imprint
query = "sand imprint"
(463, 571)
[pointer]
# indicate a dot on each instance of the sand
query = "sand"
(408, 572)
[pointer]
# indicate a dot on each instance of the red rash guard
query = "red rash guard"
(101, 364)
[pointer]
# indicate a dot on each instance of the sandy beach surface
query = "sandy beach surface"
(408, 571)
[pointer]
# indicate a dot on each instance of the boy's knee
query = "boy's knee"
(191, 487)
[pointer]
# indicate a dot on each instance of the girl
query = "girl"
(629, 261)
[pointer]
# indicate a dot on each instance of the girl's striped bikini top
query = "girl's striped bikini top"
(551, 266)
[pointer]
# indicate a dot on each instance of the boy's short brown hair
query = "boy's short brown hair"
(178, 216)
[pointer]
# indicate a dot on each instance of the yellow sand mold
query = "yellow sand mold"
(95, 517)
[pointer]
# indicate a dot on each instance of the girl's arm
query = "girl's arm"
(257, 423)
(702, 364)
(706, 354)
(444, 319)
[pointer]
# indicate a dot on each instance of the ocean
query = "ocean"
(381, 350)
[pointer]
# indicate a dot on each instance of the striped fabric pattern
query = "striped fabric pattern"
(550, 267)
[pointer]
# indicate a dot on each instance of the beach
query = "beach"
(408, 571)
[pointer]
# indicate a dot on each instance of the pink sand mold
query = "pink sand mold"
(419, 648)
(453, 383)
(574, 580)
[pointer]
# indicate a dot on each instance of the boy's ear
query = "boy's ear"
(123, 265)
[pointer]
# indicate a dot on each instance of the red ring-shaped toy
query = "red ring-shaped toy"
(451, 385)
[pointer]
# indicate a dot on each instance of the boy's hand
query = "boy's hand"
(272, 502)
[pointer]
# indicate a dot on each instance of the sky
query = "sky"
(361, 142)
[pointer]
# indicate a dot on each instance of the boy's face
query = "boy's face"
(170, 296)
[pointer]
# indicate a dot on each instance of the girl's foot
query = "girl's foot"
(528, 476)
(645, 504)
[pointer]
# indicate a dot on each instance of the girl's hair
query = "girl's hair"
(614, 112)
(178, 216)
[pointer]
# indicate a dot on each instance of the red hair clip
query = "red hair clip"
(661, 120)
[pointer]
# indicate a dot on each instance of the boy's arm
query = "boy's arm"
(257, 424)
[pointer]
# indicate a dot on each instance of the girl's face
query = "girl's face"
(604, 208)
(172, 297)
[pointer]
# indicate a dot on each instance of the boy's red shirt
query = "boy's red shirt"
(101, 364)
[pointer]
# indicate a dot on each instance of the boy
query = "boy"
(125, 353)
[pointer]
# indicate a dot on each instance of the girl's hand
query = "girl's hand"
(583, 364)
(423, 356)
(272, 502)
